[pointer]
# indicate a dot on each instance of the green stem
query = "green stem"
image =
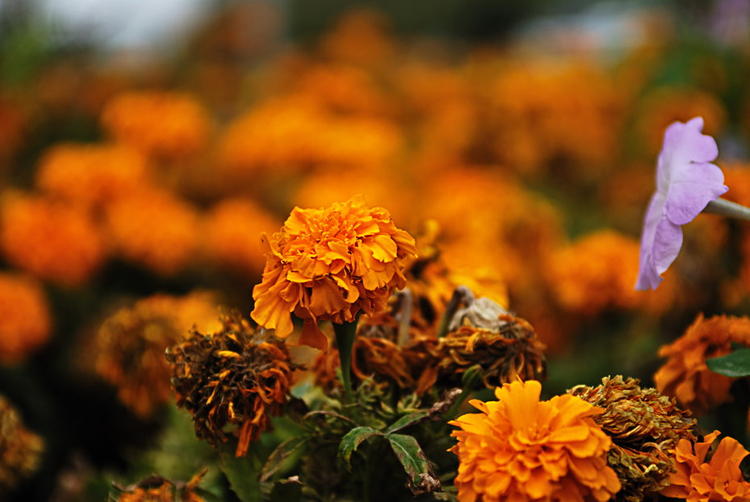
(728, 208)
(345, 334)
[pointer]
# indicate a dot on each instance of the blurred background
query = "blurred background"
(146, 146)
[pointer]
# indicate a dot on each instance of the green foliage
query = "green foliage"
(243, 474)
(351, 441)
(735, 365)
(414, 461)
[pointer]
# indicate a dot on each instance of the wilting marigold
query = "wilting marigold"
(237, 376)
(233, 230)
(159, 489)
(153, 228)
(130, 345)
(685, 374)
(522, 449)
(330, 264)
(644, 426)
(26, 318)
(168, 125)
(51, 240)
(20, 449)
(91, 175)
(709, 470)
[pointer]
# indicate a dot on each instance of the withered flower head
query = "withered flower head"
(644, 426)
(20, 449)
(330, 264)
(159, 489)
(130, 345)
(237, 376)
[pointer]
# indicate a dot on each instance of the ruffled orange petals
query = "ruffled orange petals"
(330, 264)
(521, 448)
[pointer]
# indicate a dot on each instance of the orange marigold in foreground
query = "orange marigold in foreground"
(709, 470)
(522, 449)
(169, 125)
(685, 374)
(26, 319)
(330, 264)
(49, 239)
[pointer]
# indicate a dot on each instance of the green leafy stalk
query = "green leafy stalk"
(345, 334)
(735, 364)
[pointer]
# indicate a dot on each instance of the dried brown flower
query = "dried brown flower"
(644, 425)
(159, 489)
(20, 449)
(237, 376)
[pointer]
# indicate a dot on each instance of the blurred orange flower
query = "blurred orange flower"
(153, 228)
(25, 315)
(49, 239)
(167, 125)
(709, 470)
(330, 264)
(521, 448)
(685, 374)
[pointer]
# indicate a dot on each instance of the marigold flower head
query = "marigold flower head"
(49, 239)
(685, 374)
(25, 315)
(91, 175)
(159, 489)
(521, 448)
(644, 426)
(330, 264)
(168, 125)
(20, 449)
(233, 228)
(709, 470)
(130, 345)
(237, 376)
(153, 228)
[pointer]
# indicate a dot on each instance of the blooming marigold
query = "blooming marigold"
(709, 470)
(20, 449)
(330, 264)
(26, 318)
(520, 448)
(644, 426)
(91, 174)
(169, 125)
(685, 374)
(49, 239)
(235, 376)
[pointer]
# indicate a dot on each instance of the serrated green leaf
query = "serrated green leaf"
(279, 455)
(414, 462)
(351, 441)
(243, 474)
(735, 365)
(406, 421)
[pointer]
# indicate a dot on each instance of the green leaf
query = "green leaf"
(282, 452)
(406, 421)
(243, 474)
(287, 490)
(351, 441)
(735, 365)
(415, 463)
(745, 467)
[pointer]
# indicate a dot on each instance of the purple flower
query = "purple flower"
(686, 182)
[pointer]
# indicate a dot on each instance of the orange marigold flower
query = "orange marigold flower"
(685, 374)
(159, 489)
(50, 240)
(237, 376)
(91, 174)
(153, 228)
(232, 238)
(26, 318)
(20, 449)
(522, 449)
(330, 264)
(169, 125)
(709, 470)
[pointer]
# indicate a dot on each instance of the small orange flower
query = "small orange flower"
(522, 449)
(330, 264)
(685, 374)
(26, 318)
(49, 239)
(168, 125)
(709, 470)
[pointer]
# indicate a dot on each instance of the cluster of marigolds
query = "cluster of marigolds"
(188, 187)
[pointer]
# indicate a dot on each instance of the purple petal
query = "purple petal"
(660, 244)
(693, 186)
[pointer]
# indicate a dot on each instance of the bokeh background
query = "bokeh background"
(146, 146)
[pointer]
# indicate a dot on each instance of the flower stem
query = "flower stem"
(345, 334)
(727, 208)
